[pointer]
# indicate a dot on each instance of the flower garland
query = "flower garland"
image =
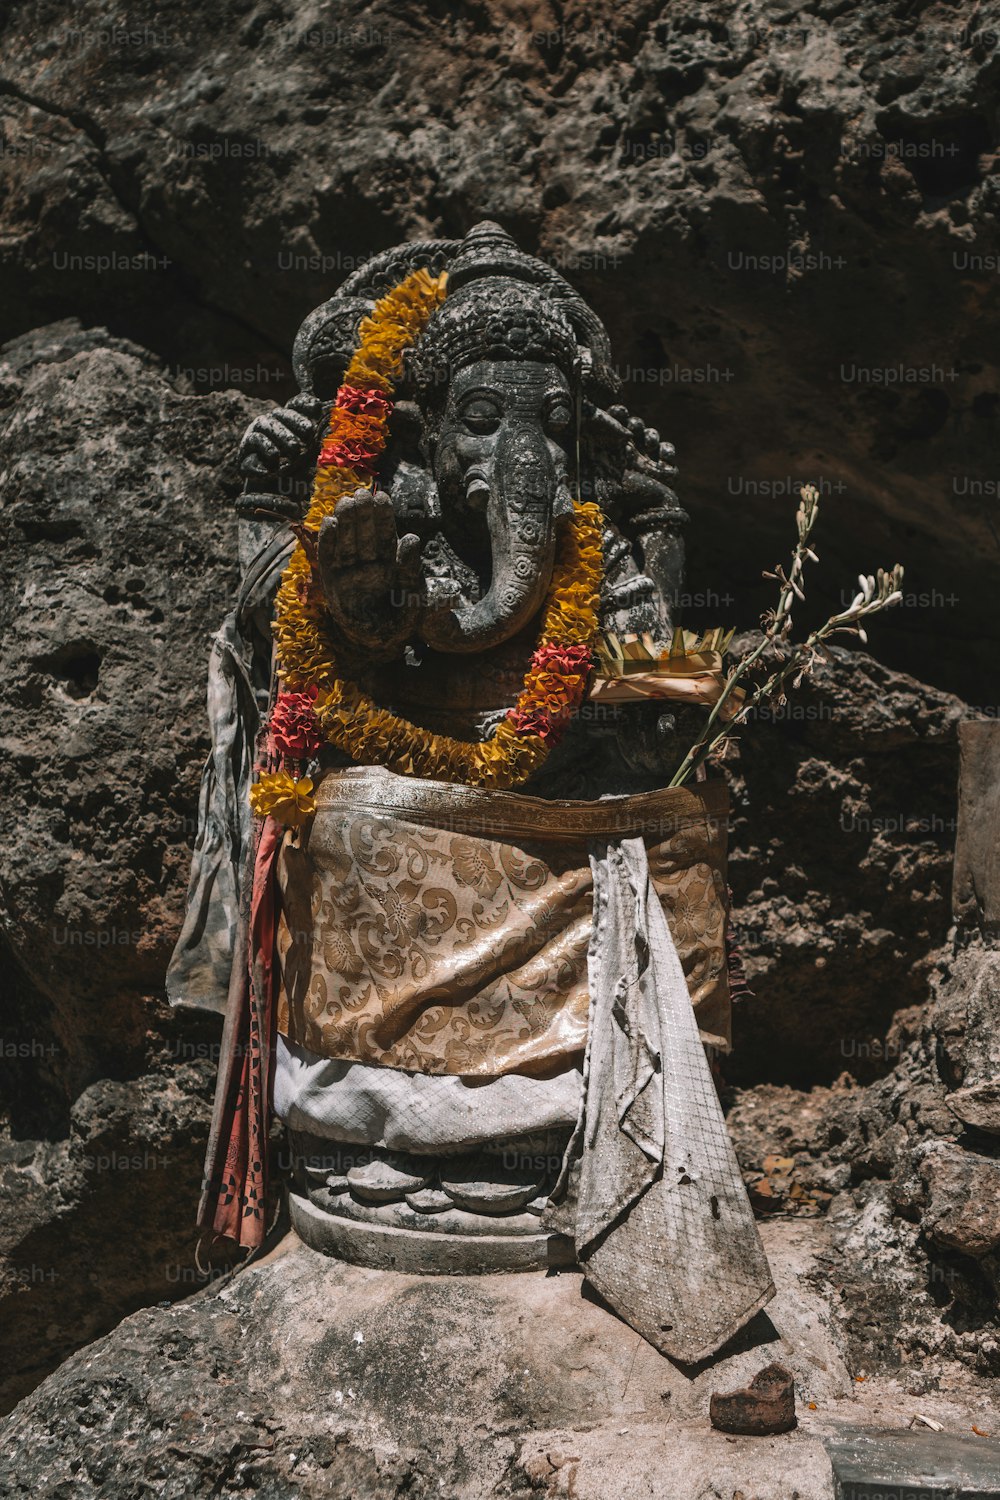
(316, 704)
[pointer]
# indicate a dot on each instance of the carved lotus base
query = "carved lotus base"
(466, 1213)
(390, 1238)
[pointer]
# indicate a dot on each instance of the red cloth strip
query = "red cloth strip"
(234, 1200)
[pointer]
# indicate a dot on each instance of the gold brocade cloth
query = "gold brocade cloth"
(444, 929)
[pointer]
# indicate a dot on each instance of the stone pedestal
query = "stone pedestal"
(976, 907)
(461, 1244)
(976, 889)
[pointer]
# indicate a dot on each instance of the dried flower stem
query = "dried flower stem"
(876, 592)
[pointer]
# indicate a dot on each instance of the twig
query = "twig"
(876, 592)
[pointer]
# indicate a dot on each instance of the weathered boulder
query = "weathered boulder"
(120, 545)
(303, 1376)
(119, 541)
(963, 1213)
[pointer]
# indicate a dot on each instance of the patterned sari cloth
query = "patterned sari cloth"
(444, 929)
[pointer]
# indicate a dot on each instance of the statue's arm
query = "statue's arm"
(637, 491)
(282, 438)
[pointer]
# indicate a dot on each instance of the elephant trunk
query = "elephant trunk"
(523, 488)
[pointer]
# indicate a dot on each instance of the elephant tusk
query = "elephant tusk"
(476, 485)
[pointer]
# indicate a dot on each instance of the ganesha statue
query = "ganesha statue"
(469, 941)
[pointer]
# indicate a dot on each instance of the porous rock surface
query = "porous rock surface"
(910, 1192)
(119, 542)
(306, 1377)
(844, 813)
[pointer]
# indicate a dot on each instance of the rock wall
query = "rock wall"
(119, 543)
(845, 805)
(913, 1270)
(787, 216)
(788, 221)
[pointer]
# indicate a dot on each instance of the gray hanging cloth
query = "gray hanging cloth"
(664, 1227)
(199, 970)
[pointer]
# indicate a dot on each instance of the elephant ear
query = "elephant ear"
(325, 343)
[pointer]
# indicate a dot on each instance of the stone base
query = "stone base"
(467, 1249)
(302, 1378)
(915, 1465)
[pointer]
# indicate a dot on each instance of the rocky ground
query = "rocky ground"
(304, 1377)
(764, 203)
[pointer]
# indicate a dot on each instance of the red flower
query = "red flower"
(364, 403)
(534, 721)
(565, 660)
(295, 730)
(556, 684)
(349, 453)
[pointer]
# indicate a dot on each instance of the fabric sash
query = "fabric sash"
(234, 1200)
(444, 929)
(685, 828)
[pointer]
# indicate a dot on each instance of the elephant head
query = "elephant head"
(508, 391)
(499, 374)
(500, 465)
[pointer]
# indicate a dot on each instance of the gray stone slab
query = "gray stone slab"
(976, 889)
(874, 1464)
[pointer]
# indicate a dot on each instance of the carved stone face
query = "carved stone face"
(501, 466)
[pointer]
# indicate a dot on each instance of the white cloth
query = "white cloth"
(433, 1114)
(664, 1228)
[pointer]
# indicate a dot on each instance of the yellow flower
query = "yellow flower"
(276, 795)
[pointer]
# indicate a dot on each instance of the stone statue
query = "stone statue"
(510, 403)
(481, 1012)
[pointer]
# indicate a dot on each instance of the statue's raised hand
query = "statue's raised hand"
(371, 576)
(281, 438)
